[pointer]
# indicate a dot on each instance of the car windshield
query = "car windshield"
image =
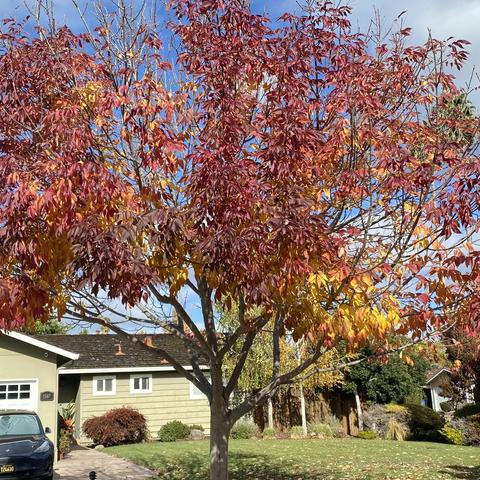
(14, 425)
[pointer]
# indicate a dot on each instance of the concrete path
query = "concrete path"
(79, 463)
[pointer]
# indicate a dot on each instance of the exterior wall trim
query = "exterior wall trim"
(71, 371)
(43, 345)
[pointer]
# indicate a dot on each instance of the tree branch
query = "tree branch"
(182, 313)
(242, 358)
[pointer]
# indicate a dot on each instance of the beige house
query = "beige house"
(97, 373)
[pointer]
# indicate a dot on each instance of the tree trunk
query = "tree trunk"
(270, 413)
(476, 384)
(359, 412)
(303, 410)
(220, 426)
(476, 392)
(219, 433)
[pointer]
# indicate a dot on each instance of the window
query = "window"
(105, 385)
(196, 393)
(141, 383)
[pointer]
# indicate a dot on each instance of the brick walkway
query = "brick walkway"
(79, 463)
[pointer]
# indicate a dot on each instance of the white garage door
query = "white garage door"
(18, 395)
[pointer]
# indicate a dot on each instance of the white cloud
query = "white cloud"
(444, 18)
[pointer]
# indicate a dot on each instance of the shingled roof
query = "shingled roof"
(111, 351)
(435, 372)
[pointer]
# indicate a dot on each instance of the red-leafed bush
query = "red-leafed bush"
(116, 427)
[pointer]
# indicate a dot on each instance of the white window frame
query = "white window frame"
(196, 395)
(140, 390)
(104, 377)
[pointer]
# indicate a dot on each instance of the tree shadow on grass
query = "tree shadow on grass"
(242, 466)
(463, 472)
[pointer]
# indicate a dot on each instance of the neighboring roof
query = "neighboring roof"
(40, 342)
(435, 372)
(100, 353)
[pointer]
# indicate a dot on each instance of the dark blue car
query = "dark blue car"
(25, 451)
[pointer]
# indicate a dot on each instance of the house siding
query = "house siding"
(169, 400)
(20, 361)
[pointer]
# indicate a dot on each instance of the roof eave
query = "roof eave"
(164, 368)
(43, 345)
(430, 380)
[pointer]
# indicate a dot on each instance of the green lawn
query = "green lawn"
(311, 460)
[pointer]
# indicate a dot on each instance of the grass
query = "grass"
(310, 460)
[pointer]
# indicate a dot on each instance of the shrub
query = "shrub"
(424, 418)
(468, 410)
(395, 408)
(396, 431)
(65, 442)
(470, 427)
(116, 427)
(335, 425)
(269, 433)
(367, 435)
(244, 430)
(415, 397)
(173, 431)
(321, 430)
(446, 406)
(378, 417)
(297, 432)
(429, 436)
(452, 435)
(196, 427)
(67, 417)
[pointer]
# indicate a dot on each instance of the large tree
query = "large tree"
(296, 169)
(50, 327)
(464, 352)
(399, 379)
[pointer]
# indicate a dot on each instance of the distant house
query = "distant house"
(436, 378)
(97, 373)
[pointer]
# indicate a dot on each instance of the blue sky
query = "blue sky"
(444, 17)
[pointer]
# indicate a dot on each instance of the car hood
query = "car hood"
(15, 446)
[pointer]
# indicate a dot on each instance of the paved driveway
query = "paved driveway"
(79, 463)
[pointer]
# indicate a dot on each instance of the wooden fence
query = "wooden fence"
(287, 413)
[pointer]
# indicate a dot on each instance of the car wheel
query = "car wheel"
(49, 477)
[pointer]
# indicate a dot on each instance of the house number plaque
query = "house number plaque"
(46, 397)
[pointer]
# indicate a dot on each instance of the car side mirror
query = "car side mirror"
(48, 430)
